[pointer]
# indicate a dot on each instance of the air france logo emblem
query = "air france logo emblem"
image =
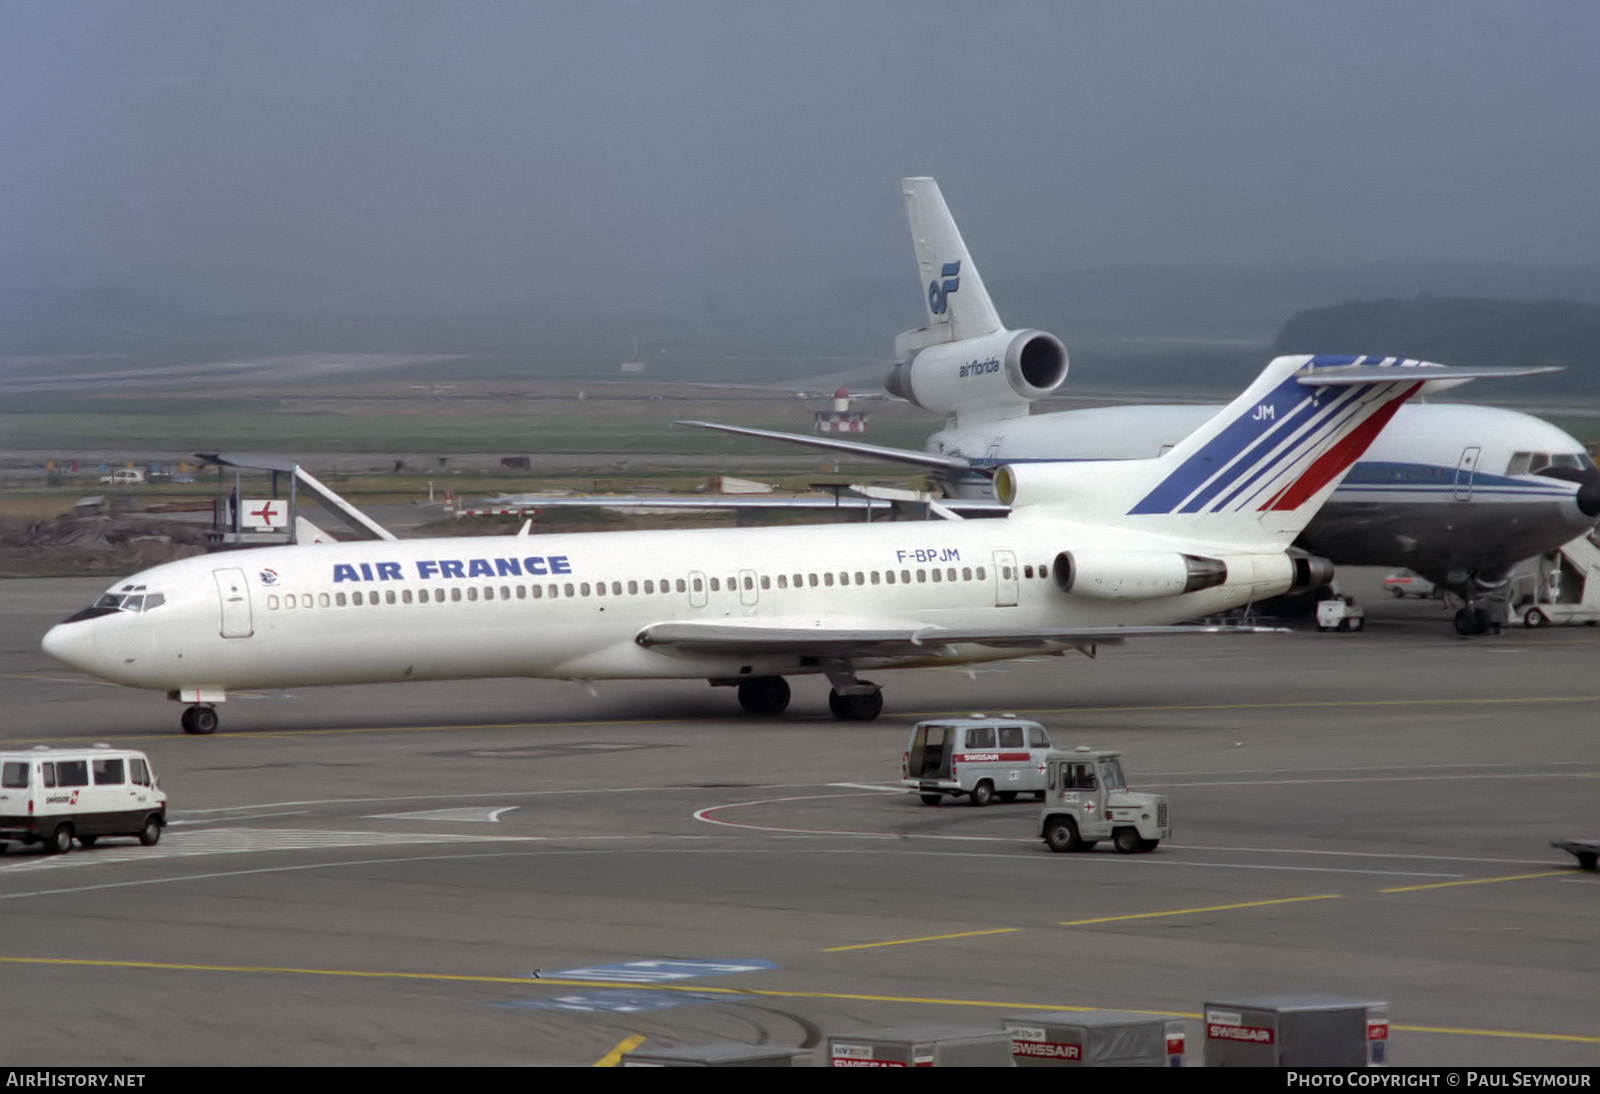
(939, 291)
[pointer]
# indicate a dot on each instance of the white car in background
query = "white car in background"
(126, 476)
(1403, 583)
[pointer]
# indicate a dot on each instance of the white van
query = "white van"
(55, 795)
(978, 756)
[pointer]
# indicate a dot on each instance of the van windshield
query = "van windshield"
(1111, 775)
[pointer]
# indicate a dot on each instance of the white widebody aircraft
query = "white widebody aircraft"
(1457, 493)
(1091, 552)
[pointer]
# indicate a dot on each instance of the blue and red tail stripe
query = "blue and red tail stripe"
(1272, 433)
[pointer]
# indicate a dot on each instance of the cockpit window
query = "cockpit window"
(1563, 459)
(130, 600)
(124, 600)
(1520, 462)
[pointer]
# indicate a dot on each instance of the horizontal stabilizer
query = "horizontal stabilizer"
(1367, 370)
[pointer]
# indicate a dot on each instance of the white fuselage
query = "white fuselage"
(571, 606)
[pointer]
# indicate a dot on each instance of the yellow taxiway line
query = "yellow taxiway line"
(1196, 911)
(627, 1044)
(704, 989)
(1478, 881)
(924, 938)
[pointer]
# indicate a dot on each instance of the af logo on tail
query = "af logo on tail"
(939, 292)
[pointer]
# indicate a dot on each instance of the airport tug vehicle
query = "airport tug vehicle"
(1086, 800)
(978, 757)
(55, 795)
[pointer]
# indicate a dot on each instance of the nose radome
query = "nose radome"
(71, 644)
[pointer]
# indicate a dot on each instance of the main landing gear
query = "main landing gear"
(764, 695)
(853, 700)
(856, 708)
(200, 720)
(850, 699)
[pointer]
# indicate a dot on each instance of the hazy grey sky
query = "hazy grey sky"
(640, 155)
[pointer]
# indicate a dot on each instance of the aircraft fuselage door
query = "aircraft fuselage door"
(747, 588)
(1005, 579)
(234, 593)
(1464, 473)
(697, 589)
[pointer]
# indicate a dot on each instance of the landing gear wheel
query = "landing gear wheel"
(1471, 621)
(855, 708)
(1007, 796)
(982, 794)
(60, 841)
(88, 841)
(200, 721)
(1061, 834)
(1126, 840)
(764, 695)
(932, 799)
(150, 834)
(1535, 618)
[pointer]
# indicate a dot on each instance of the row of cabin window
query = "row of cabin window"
(599, 588)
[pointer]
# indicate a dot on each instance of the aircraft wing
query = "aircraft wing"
(856, 448)
(685, 501)
(865, 498)
(737, 640)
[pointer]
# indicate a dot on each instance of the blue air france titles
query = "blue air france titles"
(447, 568)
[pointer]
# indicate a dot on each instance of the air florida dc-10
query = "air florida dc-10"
(1092, 552)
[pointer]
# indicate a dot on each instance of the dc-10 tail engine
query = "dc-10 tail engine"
(1003, 371)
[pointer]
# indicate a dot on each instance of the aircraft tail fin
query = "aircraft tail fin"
(958, 306)
(1258, 470)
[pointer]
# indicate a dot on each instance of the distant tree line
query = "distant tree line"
(1459, 331)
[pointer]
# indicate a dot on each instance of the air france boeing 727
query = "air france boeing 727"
(1093, 552)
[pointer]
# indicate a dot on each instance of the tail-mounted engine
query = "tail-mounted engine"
(1004, 370)
(1310, 573)
(1139, 575)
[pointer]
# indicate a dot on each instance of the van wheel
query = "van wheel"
(1007, 796)
(1061, 834)
(1126, 841)
(932, 799)
(60, 841)
(982, 794)
(1535, 618)
(150, 834)
(88, 841)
